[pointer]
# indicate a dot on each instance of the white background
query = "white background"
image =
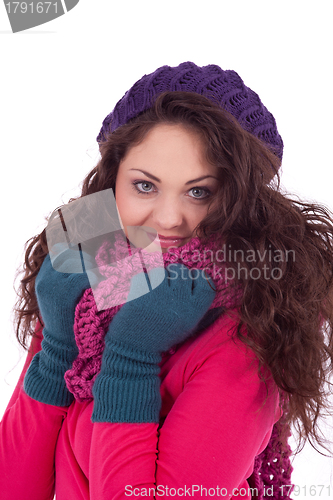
(59, 80)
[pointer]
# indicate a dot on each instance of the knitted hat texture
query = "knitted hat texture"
(224, 87)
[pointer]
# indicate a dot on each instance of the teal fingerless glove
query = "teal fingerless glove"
(57, 294)
(127, 388)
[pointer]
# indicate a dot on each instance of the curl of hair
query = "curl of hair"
(280, 250)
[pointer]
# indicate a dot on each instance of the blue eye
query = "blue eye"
(198, 192)
(145, 187)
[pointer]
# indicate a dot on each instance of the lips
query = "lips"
(167, 241)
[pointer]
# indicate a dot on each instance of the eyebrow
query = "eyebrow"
(151, 176)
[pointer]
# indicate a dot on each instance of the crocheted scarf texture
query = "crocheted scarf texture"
(94, 312)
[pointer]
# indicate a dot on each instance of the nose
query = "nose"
(168, 213)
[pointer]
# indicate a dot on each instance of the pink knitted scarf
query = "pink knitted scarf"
(96, 309)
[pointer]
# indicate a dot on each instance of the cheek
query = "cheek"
(196, 215)
(131, 212)
(121, 198)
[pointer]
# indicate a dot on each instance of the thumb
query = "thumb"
(68, 261)
(143, 283)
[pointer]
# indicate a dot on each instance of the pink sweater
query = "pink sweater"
(215, 418)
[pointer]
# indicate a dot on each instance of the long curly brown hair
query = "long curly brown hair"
(280, 250)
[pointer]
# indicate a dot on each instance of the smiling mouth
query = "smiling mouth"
(161, 237)
(166, 241)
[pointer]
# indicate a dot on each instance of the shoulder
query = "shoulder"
(217, 371)
(219, 358)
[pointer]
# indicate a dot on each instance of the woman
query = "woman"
(189, 387)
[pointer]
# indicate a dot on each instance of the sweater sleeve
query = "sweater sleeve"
(28, 435)
(35, 346)
(221, 418)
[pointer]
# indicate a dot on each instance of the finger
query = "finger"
(76, 283)
(68, 261)
(203, 283)
(45, 269)
(89, 261)
(156, 276)
(139, 286)
(177, 272)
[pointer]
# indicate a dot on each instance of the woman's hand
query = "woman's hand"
(165, 316)
(57, 294)
(127, 388)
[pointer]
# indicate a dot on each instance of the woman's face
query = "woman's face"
(165, 184)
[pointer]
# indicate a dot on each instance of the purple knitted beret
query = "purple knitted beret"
(224, 87)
